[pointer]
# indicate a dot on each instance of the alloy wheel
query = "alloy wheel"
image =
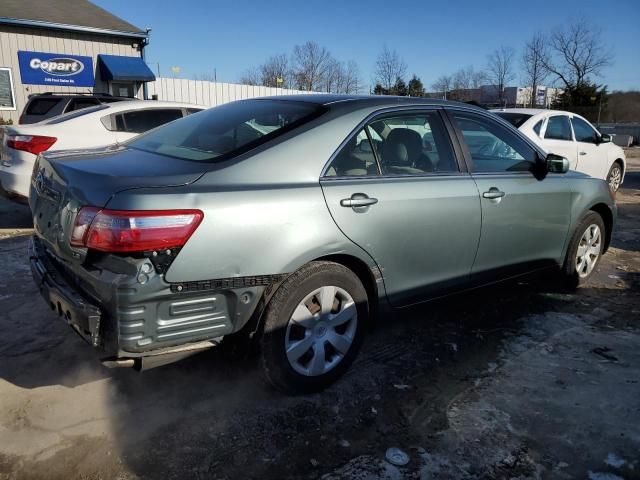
(588, 250)
(321, 331)
(615, 177)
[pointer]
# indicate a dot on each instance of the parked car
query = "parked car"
(41, 106)
(90, 127)
(293, 220)
(571, 136)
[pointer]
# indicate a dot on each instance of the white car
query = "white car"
(90, 127)
(573, 137)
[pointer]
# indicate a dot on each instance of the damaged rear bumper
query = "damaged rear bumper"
(129, 316)
(81, 315)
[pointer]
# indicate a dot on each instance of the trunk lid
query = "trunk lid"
(62, 182)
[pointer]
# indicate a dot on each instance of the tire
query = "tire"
(614, 177)
(576, 271)
(311, 351)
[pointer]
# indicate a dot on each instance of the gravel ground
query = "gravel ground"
(511, 381)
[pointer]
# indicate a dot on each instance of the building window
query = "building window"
(7, 96)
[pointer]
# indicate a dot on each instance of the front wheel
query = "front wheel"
(313, 328)
(585, 250)
(614, 178)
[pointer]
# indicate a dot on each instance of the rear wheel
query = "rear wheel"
(313, 328)
(614, 178)
(585, 250)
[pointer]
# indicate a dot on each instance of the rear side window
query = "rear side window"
(355, 158)
(80, 103)
(414, 144)
(139, 121)
(42, 106)
(558, 128)
(227, 130)
(537, 127)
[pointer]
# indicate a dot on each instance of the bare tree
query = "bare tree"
(577, 52)
(443, 85)
(389, 68)
(534, 58)
(478, 79)
(500, 68)
(276, 72)
(310, 65)
(351, 83)
(251, 76)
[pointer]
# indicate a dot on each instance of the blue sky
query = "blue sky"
(434, 38)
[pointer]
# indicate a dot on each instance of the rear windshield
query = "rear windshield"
(227, 130)
(515, 119)
(41, 106)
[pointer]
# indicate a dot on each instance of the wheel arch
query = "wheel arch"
(254, 327)
(362, 271)
(606, 214)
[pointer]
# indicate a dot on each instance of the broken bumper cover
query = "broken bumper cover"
(81, 315)
(111, 308)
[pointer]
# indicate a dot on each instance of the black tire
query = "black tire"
(569, 275)
(615, 170)
(276, 365)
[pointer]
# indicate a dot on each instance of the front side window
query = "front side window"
(413, 144)
(558, 128)
(355, 158)
(139, 121)
(7, 97)
(492, 147)
(583, 131)
(227, 130)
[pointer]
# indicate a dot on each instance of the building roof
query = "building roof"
(75, 15)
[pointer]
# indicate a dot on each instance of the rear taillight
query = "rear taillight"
(30, 143)
(133, 230)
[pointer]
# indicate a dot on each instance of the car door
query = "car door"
(395, 188)
(592, 159)
(558, 138)
(524, 220)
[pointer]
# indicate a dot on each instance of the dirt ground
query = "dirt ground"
(512, 381)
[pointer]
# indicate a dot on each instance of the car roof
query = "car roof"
(525, 111)
(358, 101)
(142, 104)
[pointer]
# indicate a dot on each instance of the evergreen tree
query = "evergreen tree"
(415, 87)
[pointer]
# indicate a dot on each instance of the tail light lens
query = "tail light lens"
(133, 230)
(30, 143)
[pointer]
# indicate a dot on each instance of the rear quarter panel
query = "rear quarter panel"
(247, 231)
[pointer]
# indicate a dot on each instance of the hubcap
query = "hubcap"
(614, 178)
(588, 250)
(321, 330)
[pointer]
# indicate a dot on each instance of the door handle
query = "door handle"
(358, 200)
(493, 193)
(583, 153)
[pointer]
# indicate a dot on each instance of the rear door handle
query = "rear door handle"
(583, 153)
(493, 193)
(358, 200)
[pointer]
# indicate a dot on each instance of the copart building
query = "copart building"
(69, 46)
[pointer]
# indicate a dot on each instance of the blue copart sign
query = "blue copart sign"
(39, 68)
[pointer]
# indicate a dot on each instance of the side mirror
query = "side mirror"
(605, 138)
(557, 164)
